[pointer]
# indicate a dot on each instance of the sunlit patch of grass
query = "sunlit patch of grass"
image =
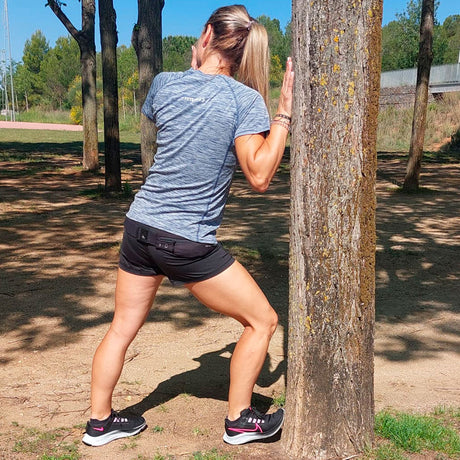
(385, 451)
(45, 116)
(49, 445)
(415, 433)
(279, 400)
(395, 124)
(213, 454)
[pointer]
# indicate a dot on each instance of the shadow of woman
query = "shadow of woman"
(210, 380)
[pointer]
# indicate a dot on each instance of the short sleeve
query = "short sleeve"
(147, 108)
(161, 79)
(253, 116)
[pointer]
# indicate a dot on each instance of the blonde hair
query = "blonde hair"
(243, 42)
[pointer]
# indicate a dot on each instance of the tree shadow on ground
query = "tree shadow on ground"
(55, 243)
(417, 269)
(210, 380)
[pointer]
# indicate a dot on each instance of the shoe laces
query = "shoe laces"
(117, 418)
(255, 415)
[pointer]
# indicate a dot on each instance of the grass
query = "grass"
(386, 451)
(279, 400)
(197, 431)
(130, 444)
(401, 434)
(33, 140)
(33, 137)
(394, 125)
(45, 116)
(37, 149)
(442, 122)
(213, 454)
(47, 445)
(100, 192)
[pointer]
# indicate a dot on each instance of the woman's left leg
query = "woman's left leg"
(134, 296)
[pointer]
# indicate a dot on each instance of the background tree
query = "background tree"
(146, 39)
(23, 85)
(451, 36)
(35, 51)
(87, 45)
(329, 395)
(59, 68)
(280, 47)
(177, 52)
(109, 39)
(400, 39)
(127, 68)
(425, 57)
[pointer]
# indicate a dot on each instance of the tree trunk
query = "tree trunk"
(147, 41)
(108, 27)
(425, 57)
(86, 43)
(329, 398)
(89, 104)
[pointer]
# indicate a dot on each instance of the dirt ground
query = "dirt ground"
(58, 259)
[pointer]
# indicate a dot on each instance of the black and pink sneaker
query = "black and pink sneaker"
(100, 432)
(252, 425)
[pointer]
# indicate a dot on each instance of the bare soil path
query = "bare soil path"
(32, 125)
(58, 259)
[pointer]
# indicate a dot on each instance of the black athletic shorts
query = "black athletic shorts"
(148, 251)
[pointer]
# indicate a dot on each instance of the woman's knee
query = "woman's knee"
(273, 321)
(267, 323)
(122, 335)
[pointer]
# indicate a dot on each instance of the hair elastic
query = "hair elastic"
(250, 23)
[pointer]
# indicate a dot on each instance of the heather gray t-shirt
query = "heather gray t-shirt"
(198, 117)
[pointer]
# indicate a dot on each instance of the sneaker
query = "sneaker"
(252, 425)
(100, 432)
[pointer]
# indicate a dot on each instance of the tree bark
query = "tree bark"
(109, 39)
(147, 41)
(87, 45)
(425, 57)
(329, 397)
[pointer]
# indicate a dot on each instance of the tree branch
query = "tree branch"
(56, 7)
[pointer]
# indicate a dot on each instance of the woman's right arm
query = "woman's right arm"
(260, 156)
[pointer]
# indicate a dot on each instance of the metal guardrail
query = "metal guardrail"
(443, 78)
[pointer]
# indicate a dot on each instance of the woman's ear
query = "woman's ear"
(207, 35)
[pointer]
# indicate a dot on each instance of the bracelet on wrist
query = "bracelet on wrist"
(282, 123)
(282, 115)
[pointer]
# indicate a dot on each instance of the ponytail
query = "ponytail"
(254, 67)
(243, 42)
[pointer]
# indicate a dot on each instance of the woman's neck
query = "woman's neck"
(215, 65)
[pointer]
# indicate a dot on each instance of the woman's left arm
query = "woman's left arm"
(260, 156)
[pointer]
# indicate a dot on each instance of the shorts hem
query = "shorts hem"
(208, 276)
(134, 272)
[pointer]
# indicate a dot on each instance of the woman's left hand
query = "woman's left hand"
(285, 101)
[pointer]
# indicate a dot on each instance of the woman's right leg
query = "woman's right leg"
(134, 296)
(235, 293)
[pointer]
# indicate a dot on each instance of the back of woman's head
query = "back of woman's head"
(243, 42)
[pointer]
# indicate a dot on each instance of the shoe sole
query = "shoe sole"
(112, 436)
(244, 438)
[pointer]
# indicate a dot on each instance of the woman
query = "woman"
(207, 123)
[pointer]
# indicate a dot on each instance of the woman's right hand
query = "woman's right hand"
(285, 101)
(194, 64)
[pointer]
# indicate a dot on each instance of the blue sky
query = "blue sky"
(180, 17)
